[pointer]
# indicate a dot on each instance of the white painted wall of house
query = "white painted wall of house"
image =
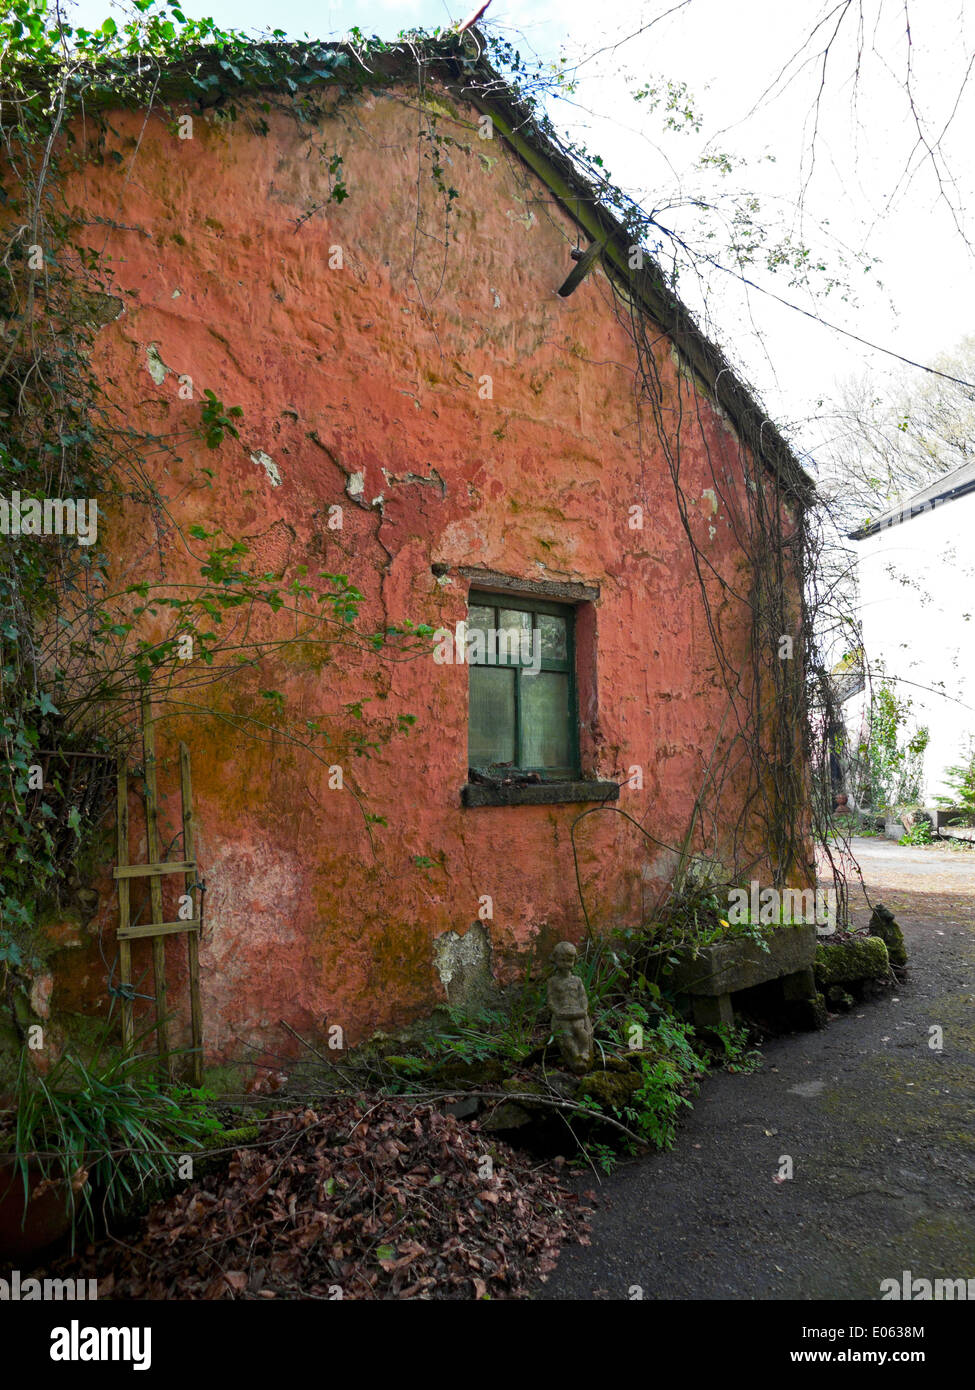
(917, 607)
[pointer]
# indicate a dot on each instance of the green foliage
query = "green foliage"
(919, 834)
(891, 759)
(848, 823)
(669, 1070)
(676, 101)
(961, 777)
(693, 917)
(103, 1128)
(657, 1104)
(736, 1053)
(217, 420)
(478, 1035)
(596, 1152)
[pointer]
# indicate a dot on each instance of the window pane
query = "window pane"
(553, 637)
(514, 637)
(491, 737)
(545, 720)
(479, 620)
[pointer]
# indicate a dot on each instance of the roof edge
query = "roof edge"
(459, 62)
(907, 513)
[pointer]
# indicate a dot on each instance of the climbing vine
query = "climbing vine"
(80, 647)
(756, 806)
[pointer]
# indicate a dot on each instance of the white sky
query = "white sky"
(728, 54)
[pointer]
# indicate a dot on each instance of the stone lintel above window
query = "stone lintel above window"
(538, 793)
(568, 591)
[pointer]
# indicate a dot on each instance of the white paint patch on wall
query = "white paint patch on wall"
(253, 893)
(157, 367)
(269, 466)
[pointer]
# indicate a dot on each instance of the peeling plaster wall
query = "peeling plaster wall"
(360, 388)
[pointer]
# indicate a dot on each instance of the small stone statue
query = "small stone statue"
(570, 1010)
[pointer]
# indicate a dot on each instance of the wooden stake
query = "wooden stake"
(161, 929)
(124, 949)
(155, 885)
(171, 866)
(193, 939)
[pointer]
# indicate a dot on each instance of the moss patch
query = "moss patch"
(612, 1089)
(849, 961)
(884, 925)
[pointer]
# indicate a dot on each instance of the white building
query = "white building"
(917, 607)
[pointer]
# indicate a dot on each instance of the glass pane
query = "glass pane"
(479, 619)
(554, 646)
(545, 720)
(491, 735)
(514, 637)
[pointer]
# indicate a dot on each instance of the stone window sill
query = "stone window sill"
(538, 793)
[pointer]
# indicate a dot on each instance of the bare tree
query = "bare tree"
(891, 441)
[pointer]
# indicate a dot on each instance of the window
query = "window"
(522, 686)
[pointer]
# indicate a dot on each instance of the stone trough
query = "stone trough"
(717, 972)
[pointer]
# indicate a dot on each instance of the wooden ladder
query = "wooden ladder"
(157, 930)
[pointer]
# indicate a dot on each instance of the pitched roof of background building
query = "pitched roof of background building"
(945, 488)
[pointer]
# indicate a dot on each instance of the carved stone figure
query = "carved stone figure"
(570, 1011)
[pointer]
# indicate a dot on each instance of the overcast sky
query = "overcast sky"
(728, 54)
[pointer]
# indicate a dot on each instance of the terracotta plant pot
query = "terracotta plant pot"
(48, 1218)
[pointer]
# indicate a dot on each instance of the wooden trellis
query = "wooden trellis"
(157, 930)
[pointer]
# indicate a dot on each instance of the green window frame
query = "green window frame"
(522, 703)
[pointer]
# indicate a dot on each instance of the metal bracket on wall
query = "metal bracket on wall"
(586, 261)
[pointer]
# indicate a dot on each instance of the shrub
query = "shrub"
(890, 760)
(105, 1129)
(961, 777)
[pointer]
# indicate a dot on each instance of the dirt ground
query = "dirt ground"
(878, 1123)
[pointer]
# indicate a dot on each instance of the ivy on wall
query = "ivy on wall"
(79, 646)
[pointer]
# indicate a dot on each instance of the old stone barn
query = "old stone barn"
(476, 619)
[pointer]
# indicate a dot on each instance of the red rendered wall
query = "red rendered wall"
(362, 383)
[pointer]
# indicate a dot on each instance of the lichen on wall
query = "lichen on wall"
(464, 965)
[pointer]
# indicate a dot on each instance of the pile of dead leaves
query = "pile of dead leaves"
(355, 1199)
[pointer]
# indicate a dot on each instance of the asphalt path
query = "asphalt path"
(879, 1124)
